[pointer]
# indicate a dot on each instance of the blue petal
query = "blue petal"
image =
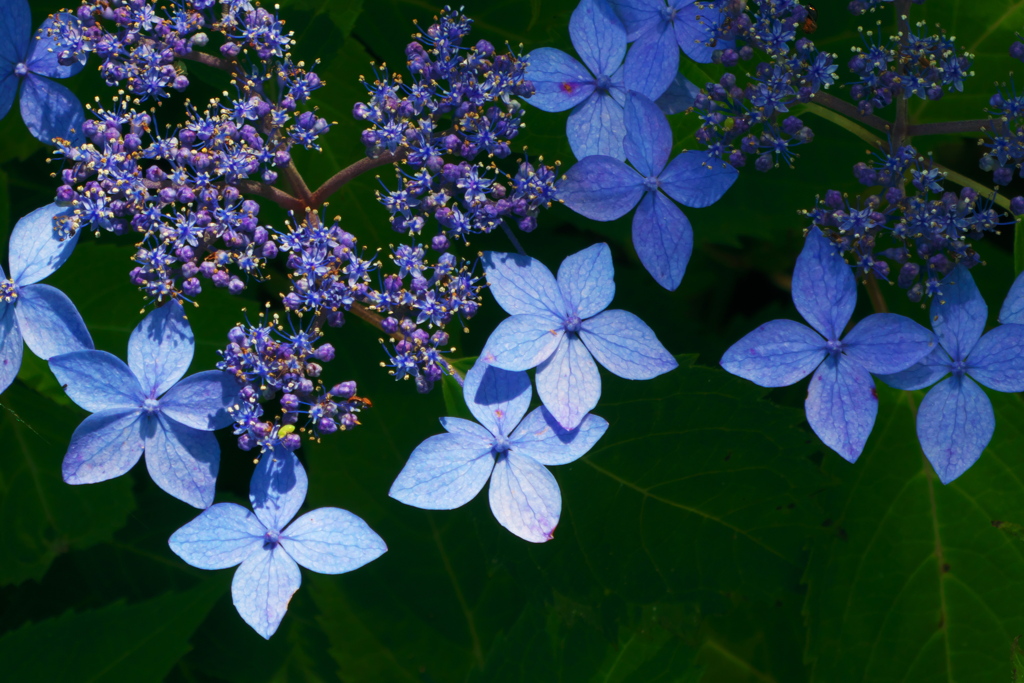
(9, 83)
(625, 345)
(648, 140)
(997, 361)
(202, 400)
(161, 348)
(50, 110)
(15, 30)
(776, 354)
(652, 62)
(262, 587)
(541, 438)
(587, 280)
(497, 398)
(560, 82)
(568, 383)
(695, 28)
(824, 289)
(331, 541)
(1013, 307)
(36, 251)
(954, 424)
(598, 36)
(958, 313)
(639, 15)
(466, 428)
(522, 342)
(42, 58)
(97, 380)
(601, 188)
(663, 239)
(697, 179)
(277, 488)
(924, 373)
(841, 405)
(444, 472)
(11, 346)
(679, 96)
(522, 285)
(183, 461)
(525, 498)
(596, 127)
(221, 537)
(104, 446)
(886, 343)
(50, 323)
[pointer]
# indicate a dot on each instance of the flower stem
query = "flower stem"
(875, 295)
(349, 173)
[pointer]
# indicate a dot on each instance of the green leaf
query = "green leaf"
(915, 583)
(43, 516)
(139, 642)
(1018, 248)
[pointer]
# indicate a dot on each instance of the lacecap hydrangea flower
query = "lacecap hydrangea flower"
(448, 470)
(561, 326)
(142, 406)
(268, 550)
(955, 421)
(841, 400)
(35, 314)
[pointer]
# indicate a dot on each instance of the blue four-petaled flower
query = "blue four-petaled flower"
(142, 406)
(560, 327)
(448, 470)
(841, 400)
(267, 549)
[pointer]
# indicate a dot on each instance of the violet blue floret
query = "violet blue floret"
(28, 63)
(38, 315)
(561, 326)
(447, 470)
(142, 406)
(604, 188)
(955, 421)
(841, 399)
(268, 553)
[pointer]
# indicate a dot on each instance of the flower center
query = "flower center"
(8, 291)
(151, 405)
(958, 368)
(652, 183)
(834, 347)
(271, 539)
(668, 13)
(572, 323)
(501, 445)
(21, 69)
(603, 83)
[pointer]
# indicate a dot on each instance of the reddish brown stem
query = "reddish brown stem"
(347, 174)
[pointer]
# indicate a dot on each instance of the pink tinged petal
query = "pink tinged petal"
(50, 322)
(523, 285)
(776, 354)
(694, 27)
(841, 405)
(262, 588)
(601, 188)
(625, 345)
(587, 280)
(886, 343)
(648, 138)
(221, 537)
(50, 110)
(467, 429)
(278, 488)
(1013, 308)
(42, 58)
(525, 498)
(560, 82)
(11, 346)
(697, 179)
(679, 96)
(15, 30)
(824, 289)
(568, 383)
(183, 461)
(9, 83)
(924, 373)
(332, 541)
(652, 62)
(954, 424)
(997, 361)
(958, 313)
(522, 342)
(663, 239)
(596, 127)
(36, 250)
(638, 15)
(104, 446)
(202, 400)
(598, 36)
(497, 398)
(541, 438)
(444, 472)
(160, 348)
(97, 380)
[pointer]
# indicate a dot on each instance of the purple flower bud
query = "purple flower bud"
(325, 353)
